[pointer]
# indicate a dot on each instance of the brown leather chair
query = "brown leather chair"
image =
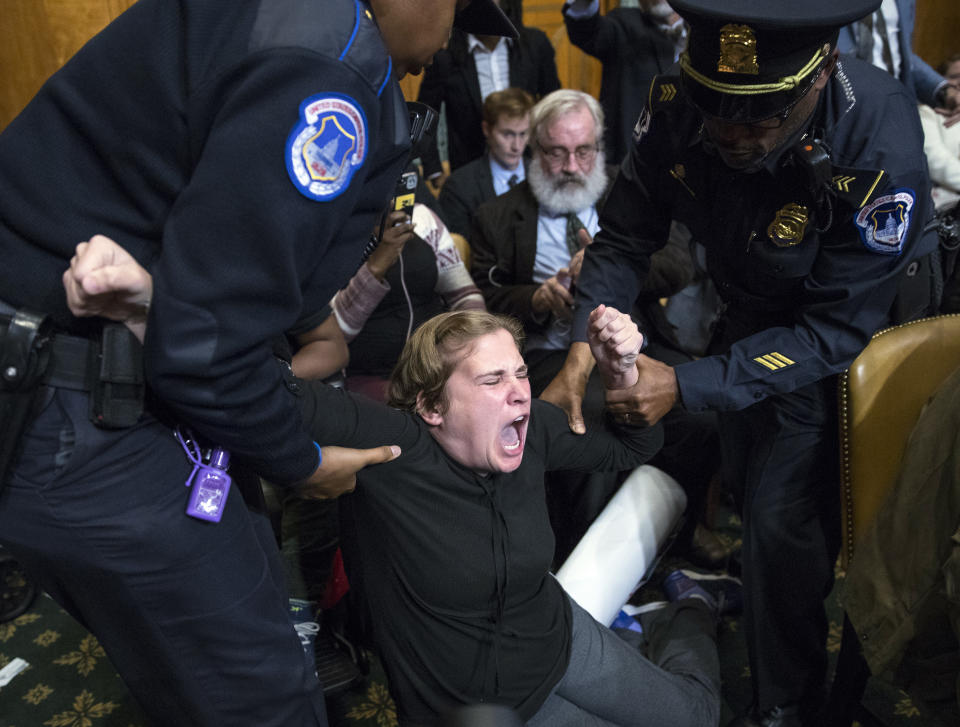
(881, 397)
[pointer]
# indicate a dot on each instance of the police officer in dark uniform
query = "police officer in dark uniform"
(802, 174)
(240, 150)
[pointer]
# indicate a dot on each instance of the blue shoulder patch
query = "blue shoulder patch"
(326, 146)
(884, 222)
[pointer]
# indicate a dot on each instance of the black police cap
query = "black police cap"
(483, 17)
(748, 60)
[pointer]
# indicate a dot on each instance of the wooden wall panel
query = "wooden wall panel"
(575, 68)
(39, 36)
(411, 86)
(937, 33)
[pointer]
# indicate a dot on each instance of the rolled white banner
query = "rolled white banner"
(8, 672)
(609, 561)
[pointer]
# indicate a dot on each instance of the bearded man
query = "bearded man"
(525, 244)
(526, 249)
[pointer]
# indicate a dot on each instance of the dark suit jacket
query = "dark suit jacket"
(453, 79)
(632, 52)
(464, 191)
(915, 74)
(503, 248)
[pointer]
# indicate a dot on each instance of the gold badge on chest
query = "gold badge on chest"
(789, 225)
(738, 50)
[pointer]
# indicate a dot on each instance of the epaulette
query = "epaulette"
(663, 91)
(366, 51)
(342, 29)
(857, 186)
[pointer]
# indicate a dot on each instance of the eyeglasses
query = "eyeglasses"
(773, 122)
(559, 154)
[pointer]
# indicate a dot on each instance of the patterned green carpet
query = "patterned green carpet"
(70, 682)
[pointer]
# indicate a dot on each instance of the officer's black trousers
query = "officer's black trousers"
(192, 614)
(783, 451)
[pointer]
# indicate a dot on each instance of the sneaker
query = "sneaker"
(302, 614)
(722, 593)
(629, 616)
(307, 631)
(632, 610)
(332, 657)
(627, 622)
(301, 610)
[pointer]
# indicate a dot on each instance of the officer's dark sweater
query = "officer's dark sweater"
(169, 133)
(452, 564)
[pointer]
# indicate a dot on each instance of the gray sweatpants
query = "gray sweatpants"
(670, 677)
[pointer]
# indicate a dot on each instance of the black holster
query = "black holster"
(117, 381)
(24, 356)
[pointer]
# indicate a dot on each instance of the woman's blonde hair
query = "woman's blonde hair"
(433, 352)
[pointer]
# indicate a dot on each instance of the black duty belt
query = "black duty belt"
(73, 362)
(108, 365)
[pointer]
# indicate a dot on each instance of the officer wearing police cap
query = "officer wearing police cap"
(240, 150)
(801, 174)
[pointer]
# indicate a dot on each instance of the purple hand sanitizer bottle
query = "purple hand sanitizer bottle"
(211, 484)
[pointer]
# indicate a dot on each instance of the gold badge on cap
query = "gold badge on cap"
(789, 225)
(738, 50)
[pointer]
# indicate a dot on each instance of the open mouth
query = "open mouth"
(512, 435)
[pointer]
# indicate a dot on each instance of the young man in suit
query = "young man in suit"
(472, 67)
(506, 128)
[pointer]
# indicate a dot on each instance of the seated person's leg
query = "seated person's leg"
(609, 681)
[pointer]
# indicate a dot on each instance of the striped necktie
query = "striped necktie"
(885, 51)
(574, 225)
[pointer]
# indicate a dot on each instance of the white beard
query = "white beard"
(561, 194)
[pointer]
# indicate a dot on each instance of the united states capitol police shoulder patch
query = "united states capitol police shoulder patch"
(327, 145)
(884, 222)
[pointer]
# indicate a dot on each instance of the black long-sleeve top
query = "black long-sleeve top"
(453, 564)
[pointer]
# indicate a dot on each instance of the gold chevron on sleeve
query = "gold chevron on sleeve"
(774, 361)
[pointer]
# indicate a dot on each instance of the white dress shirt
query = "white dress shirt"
(493, 66)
